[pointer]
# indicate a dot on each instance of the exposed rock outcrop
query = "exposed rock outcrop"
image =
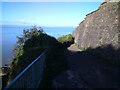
(101, 28)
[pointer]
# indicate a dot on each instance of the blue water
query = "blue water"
(9, 39)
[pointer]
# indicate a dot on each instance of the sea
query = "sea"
(10, 33)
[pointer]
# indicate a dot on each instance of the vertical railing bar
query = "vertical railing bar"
(44, 65)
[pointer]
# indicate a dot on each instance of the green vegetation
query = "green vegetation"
(81, 48)
(29, 46)
(66, 40)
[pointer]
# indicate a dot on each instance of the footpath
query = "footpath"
(86, 71)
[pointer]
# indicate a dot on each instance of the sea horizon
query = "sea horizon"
(33, 25)
(10, 33)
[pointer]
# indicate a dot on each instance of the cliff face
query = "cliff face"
(100, 28)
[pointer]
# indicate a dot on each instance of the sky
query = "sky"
(46, 13)
(52, 0)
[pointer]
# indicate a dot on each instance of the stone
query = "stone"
(101, 28)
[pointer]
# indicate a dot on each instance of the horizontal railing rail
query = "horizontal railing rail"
(31, 76)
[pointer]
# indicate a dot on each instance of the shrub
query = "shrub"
(35, 40)
(67, 40)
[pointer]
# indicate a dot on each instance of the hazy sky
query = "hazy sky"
(46, 13)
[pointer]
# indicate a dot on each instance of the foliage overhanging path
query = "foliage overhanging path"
(86, 71)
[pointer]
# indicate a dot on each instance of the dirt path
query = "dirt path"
(73, 48)
(86, 71)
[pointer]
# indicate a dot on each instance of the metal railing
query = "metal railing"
(31, 76)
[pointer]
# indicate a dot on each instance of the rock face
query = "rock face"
(100, 28)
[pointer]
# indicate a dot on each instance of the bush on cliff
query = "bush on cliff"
(32, 43)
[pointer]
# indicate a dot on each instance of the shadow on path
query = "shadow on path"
(87, 71)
